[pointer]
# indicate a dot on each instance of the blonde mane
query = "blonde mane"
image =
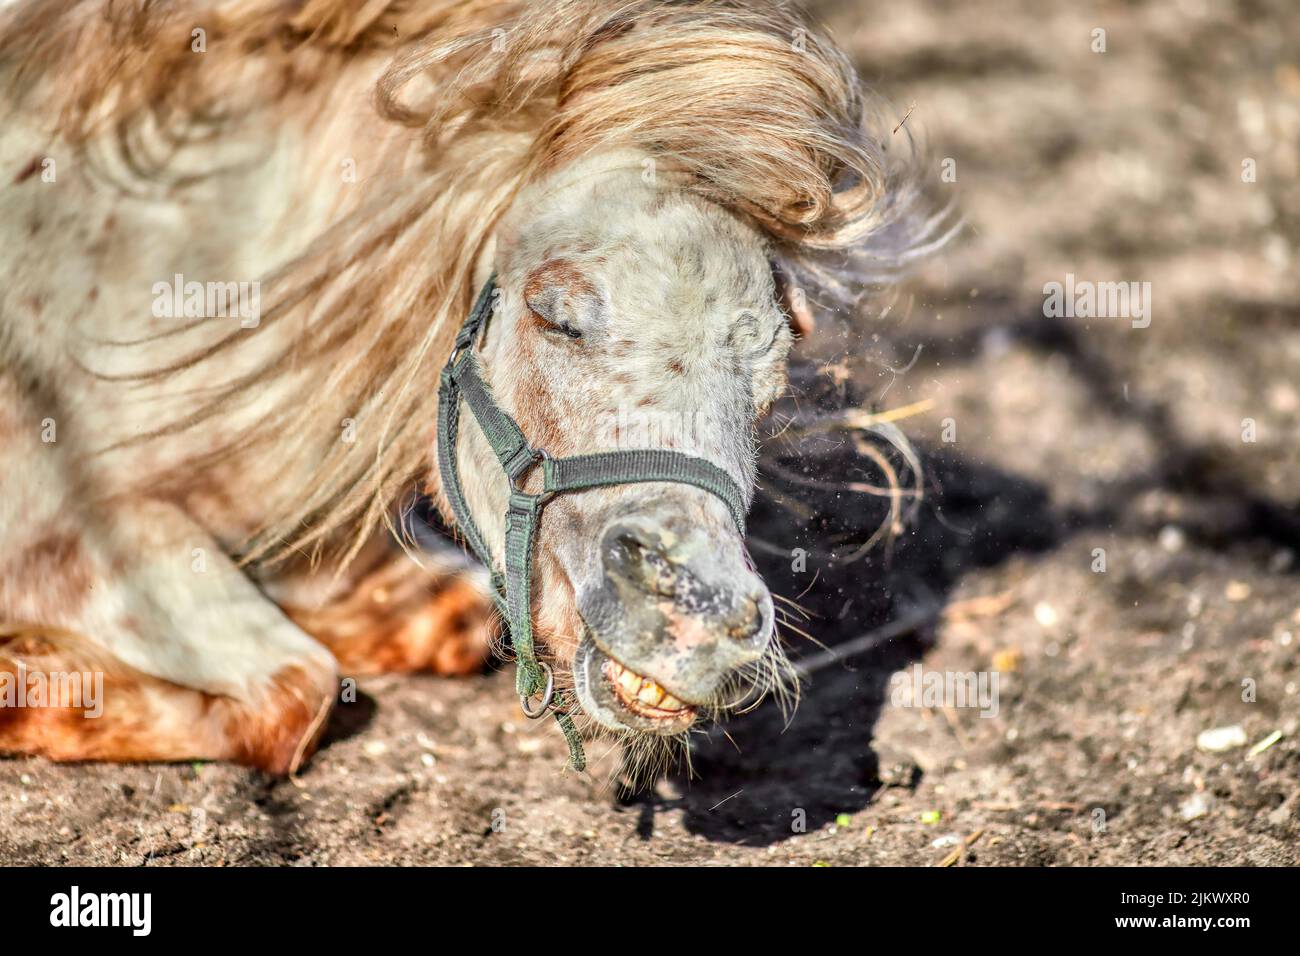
(759, 110)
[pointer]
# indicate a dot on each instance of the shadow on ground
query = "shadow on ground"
(755, 778)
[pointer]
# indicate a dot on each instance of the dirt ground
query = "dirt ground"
(1076, 442)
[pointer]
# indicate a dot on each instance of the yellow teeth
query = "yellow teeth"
(634, 689)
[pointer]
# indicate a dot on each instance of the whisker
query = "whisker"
(811, 584)
(781, 642)
(803, 611)
(732, 740)
(801, 632)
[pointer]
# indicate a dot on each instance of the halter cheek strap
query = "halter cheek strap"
(462, 378)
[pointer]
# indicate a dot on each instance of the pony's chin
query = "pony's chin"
(622, 700)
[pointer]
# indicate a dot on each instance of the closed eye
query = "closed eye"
(563, 328)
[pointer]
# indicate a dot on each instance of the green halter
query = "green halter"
(462, 378)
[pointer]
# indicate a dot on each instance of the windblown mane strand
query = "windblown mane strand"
(756, 108)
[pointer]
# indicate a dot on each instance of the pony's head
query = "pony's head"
(697, 175)
(634, 314)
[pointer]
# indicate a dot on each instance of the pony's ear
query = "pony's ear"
(793, 300)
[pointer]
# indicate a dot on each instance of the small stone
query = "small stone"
(25, 779)
(427, 759)
(948, 839)
(1045, 614)
(375, 748)
(898, 772)
(1237, 591)
(1172, 538)
(1195, 806)
(1220, 739)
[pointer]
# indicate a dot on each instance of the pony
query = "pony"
(237, 242)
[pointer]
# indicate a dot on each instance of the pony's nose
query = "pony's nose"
(639, 558)
(678, 604)
(687, 574)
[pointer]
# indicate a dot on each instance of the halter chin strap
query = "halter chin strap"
(462, 378)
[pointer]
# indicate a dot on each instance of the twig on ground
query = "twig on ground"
(977, 607)
(961, 851)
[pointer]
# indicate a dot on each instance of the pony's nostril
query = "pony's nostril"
(748, 621)
(631, 555)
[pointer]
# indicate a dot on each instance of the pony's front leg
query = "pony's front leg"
(389, 614)
(173, 653)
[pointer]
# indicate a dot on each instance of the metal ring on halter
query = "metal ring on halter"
(547, 694)
(522, 468)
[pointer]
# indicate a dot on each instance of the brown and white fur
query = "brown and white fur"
(210, 525)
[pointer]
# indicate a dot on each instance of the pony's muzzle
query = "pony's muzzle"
(679, 611)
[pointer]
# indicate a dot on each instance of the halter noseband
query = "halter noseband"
(512, 591)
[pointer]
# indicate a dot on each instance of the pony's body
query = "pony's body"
(150, 463)
(99, 572)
